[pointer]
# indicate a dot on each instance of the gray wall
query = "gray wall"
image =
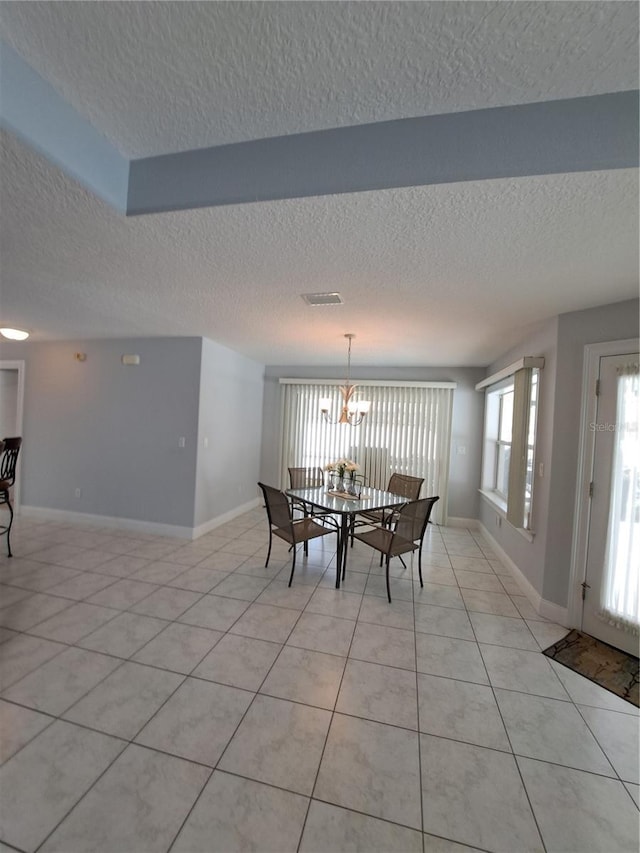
(466, 431)
(230, 420)
(606, 323)
(109, 429)
(530, 556)
(546, 562)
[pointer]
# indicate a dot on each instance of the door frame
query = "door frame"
(6, 364)
(586, 450)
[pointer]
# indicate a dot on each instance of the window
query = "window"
(408, 430)
(531, 446)
(503, 443)
(508, 464)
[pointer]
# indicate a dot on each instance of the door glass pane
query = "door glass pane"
(620, 597)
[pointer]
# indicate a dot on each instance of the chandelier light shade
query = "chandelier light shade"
(352, 411)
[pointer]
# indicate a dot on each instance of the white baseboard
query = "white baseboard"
(210, 525)
(546, 609)
(132, 524)
(471, 523)
(68, 516)
(554, 612)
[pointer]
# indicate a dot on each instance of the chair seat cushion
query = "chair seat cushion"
(304, 528)
(5, 485)
(383, 539)
(307, 528)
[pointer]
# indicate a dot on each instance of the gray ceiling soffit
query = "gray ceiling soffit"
(32, 110)
(592, 133)
(584, 134)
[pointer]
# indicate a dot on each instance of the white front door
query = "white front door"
(612, 582)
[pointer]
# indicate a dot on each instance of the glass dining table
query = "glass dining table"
(347, 508)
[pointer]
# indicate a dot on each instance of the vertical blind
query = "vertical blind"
(408, 431)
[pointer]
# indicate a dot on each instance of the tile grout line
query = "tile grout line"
(513, 754)
(326, 738)
(302, 612)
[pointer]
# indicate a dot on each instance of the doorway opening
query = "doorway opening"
(11, 409)
(603, 598)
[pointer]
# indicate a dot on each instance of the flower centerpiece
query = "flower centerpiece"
(341, 469)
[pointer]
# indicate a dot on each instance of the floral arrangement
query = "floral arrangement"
(342, 467)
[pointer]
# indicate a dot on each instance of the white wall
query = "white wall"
(466, 430)
(230, 419)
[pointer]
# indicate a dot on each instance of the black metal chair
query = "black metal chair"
(399, 484)
(304, 478)
(8, 462)
(293, 531)
(405, 536)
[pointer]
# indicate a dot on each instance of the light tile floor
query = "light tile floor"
(161, 695)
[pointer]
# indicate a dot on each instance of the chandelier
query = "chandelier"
(353, 411)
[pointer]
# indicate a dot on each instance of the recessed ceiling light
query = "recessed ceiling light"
(316, 299)
(14, 334)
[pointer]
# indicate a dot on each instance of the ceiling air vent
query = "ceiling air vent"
(323, 298)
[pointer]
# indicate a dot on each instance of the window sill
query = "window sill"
(496, 502)
(500, 506)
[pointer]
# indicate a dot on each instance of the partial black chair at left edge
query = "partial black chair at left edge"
(283, 525)
(8, 462)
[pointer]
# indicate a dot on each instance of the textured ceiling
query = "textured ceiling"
(449, 274)
(162, 77)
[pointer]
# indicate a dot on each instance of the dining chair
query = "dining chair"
(8, 462)
(293, 531)
(304, 478)
(404, 536)
(399, 484)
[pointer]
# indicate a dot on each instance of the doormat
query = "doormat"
(611, 668)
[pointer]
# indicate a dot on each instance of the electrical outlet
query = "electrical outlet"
(78, 492)
(181, 441)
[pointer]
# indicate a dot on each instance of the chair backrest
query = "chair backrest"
(413, 519)
(9, 459)
(277, 505)
(403, 484)
(303, 478)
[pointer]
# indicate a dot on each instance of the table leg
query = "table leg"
(346, 527)
(341, 557)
